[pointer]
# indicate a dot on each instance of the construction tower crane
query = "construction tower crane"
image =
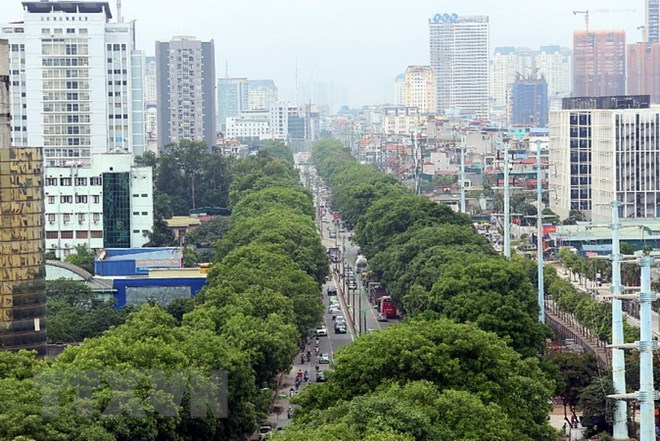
(599, 11)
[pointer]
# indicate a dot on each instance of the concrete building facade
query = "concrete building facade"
(248, 126)
(599, 63)
(262, 94)
(419, 88)
(459, 54)
(186, 91)
(76, 81)
(598, 155)
(643, 68)
(106, 205)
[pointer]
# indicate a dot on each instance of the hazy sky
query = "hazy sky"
(357, 45)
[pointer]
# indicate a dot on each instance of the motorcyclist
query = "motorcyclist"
(306, 376)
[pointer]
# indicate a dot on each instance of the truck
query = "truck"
(376, 290)
(387, 306)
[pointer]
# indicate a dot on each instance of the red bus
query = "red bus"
(387, 306)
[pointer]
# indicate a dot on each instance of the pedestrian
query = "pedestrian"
(291, 391)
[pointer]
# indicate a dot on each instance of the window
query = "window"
(81, 199)
(95, 180)
(51, 181)
(81, 234)
(144, 213)
(81, 217)
(136, 231)
(66, 199)
(136, 213)
(51, 218)
(96, 217)
(65, 182)
(95, 199)
(52, 234)
(51, 199)
(67, 234)
(97, 234)
(144, 195)
(66, 217)
(81, 181)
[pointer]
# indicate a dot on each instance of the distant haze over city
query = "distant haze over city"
(354, 47)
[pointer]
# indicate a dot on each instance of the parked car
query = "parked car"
(265, 431)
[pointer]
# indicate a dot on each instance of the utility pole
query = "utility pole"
(507, 207)
(647, 393)
(539, 233)
(618, 356)
(463, 209)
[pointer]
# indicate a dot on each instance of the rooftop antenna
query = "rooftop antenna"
(120, 19)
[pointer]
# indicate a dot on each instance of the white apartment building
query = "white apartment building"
(150, 82)
(76, 81)
(262, 94)
(106, 205)
(399, 120)
(419, 88)
(601, 155)
(253, 125)
(460, 49)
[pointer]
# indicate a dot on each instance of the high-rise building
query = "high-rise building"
(529, 102)
(185, 70)
(419, 88)
(643, 65)
(150, 82)
(652, 25)
(399, 88)
(599, 63)
(597, 156)
(76, 81)
(232, 99)
(23, 287)
(552, 63)
(262, 94)
(460, 48)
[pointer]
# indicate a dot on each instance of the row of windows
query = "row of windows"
(66, 107)
(65, 73)
(64, 62)
(66, 217)
(80, 199)
(66, 182)
(69, 234)
(137, 213)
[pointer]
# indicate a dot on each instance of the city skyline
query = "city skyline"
(347, 44)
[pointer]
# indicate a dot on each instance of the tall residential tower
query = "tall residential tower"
(460, 48)
(76, 81)
(185, 70)
(599, 63)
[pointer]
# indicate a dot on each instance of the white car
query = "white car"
(321, 331)
(323, 358)
(333, 309)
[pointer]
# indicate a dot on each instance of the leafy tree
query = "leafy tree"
(574, 216)
(83, 258)
(180, 306)
(449, 355)
(208, 232)
(626, 248)
(295, 199)
(190, 259)
(496, 296)
(574, 373)
(160, 235)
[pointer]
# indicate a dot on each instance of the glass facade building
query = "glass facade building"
(23, 285)
(117, 210)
